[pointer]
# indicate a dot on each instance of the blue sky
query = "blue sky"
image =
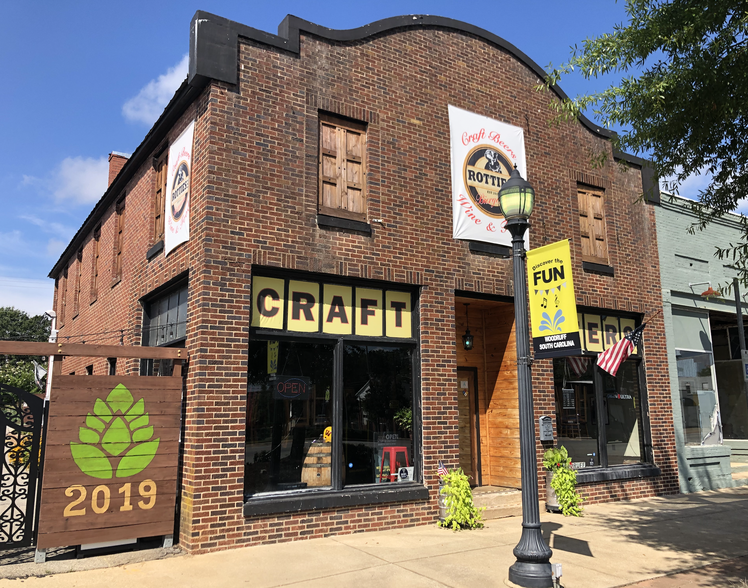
(84, 79)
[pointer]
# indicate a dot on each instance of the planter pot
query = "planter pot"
(442, 501)
(551, 501)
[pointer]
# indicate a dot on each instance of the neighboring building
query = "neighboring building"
(321, 188)
(706, 370)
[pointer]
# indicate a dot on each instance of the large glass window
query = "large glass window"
(698, 400)
(289, 408)
(331, 388)
(576, 410)
(378, 413)
(164, 325)
(623, 425)
(617, 437)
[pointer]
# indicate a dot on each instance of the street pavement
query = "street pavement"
(695, 540)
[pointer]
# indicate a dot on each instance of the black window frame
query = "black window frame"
(604, 471)
(340, 496)
(162, 367)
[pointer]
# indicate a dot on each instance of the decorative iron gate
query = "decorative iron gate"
(21, 415)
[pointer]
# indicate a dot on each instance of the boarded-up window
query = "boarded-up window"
(62, 298)
(95, 264)
(342, 168)
(158, 198)
(119, 238)
(78, 276)
(592, 224)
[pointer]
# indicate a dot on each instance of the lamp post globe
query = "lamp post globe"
(532, 568)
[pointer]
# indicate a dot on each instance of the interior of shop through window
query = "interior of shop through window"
(578, 422)
(289, 443)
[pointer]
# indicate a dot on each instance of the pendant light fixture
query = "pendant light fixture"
(467, 338)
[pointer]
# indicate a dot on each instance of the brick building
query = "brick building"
(323, 310)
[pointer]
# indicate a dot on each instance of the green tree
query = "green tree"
(683, 98)
(16, 325)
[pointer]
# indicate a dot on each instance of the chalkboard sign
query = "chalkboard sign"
(569, 398)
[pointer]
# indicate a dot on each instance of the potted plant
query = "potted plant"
(561, 483)
(461, 513)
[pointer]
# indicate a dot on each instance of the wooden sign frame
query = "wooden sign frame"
(111, 450)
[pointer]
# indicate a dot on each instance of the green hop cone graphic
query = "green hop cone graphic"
(116, 440)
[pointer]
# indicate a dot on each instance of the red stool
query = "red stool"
(393, 458)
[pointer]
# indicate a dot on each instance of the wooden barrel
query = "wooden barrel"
(317, 467)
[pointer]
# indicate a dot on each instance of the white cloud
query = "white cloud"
(51, 228)
(80, 180)
(11, 242)
(55, 247)
(691, 186)
(31, 296)
(150, 102)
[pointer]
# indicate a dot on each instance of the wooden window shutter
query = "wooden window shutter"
(95, 264)
(592, 225)
(342, 168)
(78, 279)
(119, 238)
(159, 197)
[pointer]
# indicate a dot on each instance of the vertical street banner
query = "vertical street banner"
(178, 192)
(483, 152)
(553, 307)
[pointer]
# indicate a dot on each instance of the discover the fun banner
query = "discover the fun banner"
(553, 307)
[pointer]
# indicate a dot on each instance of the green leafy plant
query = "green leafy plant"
(404, 419)
(563, 481)
(461, 512)
(116, 439)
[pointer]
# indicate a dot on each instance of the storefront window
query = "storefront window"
(698, 399)
(378, 413)
(330, 391)
(622, 408)
(580, 389)
(576, 410)
(289, 406)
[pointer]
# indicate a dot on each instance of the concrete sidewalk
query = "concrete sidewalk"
(614, 544)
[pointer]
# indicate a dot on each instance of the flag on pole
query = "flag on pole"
(611, 359)
(442, 470)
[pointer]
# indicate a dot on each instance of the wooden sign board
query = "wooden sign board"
(111, 460)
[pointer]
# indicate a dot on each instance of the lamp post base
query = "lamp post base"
(531, 575)
(532, 568)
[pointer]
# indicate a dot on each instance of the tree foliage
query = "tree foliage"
(683, 98)
(16, 325)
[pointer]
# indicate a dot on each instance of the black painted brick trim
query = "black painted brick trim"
(598, 268)
(155, 250)
(402, 492)
(490, 249)
(335, 222)
(617, 473)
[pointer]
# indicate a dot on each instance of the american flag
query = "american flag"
(611, 359)
(442, 469)
(579, 364)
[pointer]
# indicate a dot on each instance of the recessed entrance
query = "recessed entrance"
(486, 389)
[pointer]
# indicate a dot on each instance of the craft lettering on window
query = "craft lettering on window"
(592, 224)
(342, 167)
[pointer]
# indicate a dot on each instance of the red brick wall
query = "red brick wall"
(254, 203)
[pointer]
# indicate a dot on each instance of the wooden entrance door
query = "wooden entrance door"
(469, 427)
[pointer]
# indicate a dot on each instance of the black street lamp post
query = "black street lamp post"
(532, 568)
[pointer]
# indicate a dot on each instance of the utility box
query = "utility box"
(546, 428)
